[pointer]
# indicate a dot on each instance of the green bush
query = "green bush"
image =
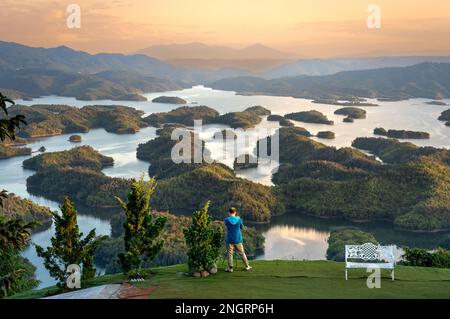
(203, 241)
(422, 258)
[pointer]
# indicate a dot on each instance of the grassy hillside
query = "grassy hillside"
(284, 279)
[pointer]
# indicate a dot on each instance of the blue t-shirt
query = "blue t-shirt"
(234, 225)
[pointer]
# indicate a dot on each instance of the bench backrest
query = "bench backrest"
(369, 253)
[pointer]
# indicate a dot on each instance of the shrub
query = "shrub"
(203, 241)
(422, 258)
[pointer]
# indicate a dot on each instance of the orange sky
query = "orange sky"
(306, 28)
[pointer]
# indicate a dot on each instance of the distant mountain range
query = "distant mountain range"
(427, 80)
(14, 56)
(331, 66)
(27, 72)
(198, 50)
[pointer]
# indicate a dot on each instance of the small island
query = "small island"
(169, 100)
(401, 134)
(438, 103)
(352, 112)
(75, 138)
(326, 135)
(313, 116)
(355, 102)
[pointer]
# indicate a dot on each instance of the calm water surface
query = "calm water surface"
(287, 237)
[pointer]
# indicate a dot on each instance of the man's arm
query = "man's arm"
(241, 223)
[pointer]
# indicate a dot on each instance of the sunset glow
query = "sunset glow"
(303, 28)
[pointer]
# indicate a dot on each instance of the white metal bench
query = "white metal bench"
(369, 255)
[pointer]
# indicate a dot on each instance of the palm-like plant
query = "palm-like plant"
(14, 234)
(14, 237)
(8, 125)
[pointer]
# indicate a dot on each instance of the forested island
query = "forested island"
(169, 100)
(309, 117)
(14, 206)
(352, 112)
(50, 120)
(401, 134)
(346, 183)
(248, 118)
(354, 102)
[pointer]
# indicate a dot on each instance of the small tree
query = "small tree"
(141, 232)
(203, 241)
(67, 246)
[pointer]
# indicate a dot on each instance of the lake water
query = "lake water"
(287, 237)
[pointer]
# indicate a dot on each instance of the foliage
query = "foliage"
(394, 152)
(419, 257)
(16, 273)
(141, 232)
(203, 241)
(174, 249)
(68, 247)
(9, 125)
(339, 238)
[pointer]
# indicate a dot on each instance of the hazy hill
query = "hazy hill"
(198, 50)
(427, 80)
(14, 56)
(331, 66)
(114, 85)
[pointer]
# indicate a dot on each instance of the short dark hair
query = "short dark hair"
(232, 210)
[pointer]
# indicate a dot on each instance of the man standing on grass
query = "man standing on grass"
(234, 239)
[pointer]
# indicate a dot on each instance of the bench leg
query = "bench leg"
(346, 277)
(392, 275)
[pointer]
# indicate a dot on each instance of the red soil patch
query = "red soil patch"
(128, 291)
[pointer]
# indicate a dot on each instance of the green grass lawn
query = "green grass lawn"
(289, 279)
